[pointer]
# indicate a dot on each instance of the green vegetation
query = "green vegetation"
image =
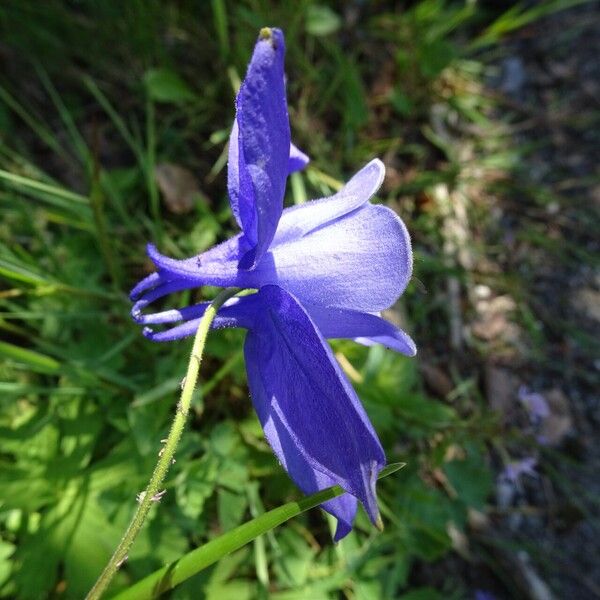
(96, 97)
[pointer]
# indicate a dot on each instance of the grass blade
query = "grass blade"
(57, 192)
(195, 561)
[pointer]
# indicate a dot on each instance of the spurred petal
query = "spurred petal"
(259, 146)
(298, 160)
(295, 223)
(310, 413)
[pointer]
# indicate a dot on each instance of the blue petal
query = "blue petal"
(241, 201)
(236, 312)
(363, 328)
(300, 220)
(311, 415)
(308, 479)
(337, 252)
(298, 160)
(296, 222)
(259, 147)
(360, 261)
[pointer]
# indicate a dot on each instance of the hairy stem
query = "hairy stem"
(152, 493)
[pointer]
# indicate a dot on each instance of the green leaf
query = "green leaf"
(293, 564)
(198, 486)
(164, 85)
(401, 102)
(424, 593)
(238, 589)
(321, 20)
(6, 551)
(231, 507)
(471, 478)
(193, 562)
(434, 57)
(425, 511)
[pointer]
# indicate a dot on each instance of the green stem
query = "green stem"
(153, 492)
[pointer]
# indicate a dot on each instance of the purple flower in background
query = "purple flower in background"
(516, 469)
(535, 404)
(323, 270)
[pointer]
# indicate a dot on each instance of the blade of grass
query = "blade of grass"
(101, 231)
(57, 192)
(219, 11)
(44, 134)
(195, 561)
(517, 17)
(150, 166)
(37, 361)
(76, 138)
(145, 158)
(117, 120)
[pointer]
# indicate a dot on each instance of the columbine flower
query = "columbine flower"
(323, 269)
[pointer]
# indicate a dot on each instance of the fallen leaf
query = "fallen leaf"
(436, 379)
(178, 187)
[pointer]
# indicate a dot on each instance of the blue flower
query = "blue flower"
(324, 269)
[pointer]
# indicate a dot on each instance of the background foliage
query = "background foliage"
(114, 118)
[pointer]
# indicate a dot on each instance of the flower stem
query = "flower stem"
(152, 493)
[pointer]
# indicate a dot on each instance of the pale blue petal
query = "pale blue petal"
(363, 328)
(298, 160)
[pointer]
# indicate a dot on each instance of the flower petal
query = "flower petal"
(298, 160)
(310, 413)
(364, 328)
(300, 220)
(337, 252)
(259, 146)
(239, 200)
(308, 479)
(360, 261)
